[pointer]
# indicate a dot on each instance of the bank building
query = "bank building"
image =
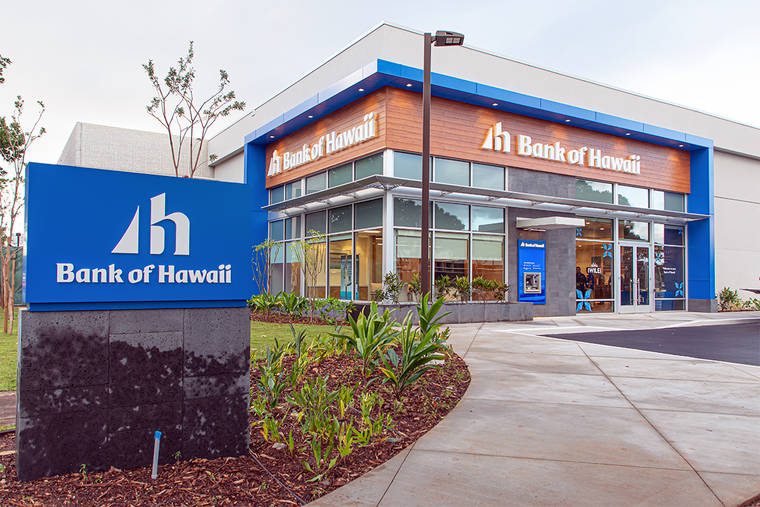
(581, 196)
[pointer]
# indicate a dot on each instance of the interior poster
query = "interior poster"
(531, 271)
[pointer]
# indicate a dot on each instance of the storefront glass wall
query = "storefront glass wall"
(669, 267)
(594, 272)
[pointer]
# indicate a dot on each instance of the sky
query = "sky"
(84, 59)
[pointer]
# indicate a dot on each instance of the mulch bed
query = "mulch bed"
(284, 318)
(241, 480)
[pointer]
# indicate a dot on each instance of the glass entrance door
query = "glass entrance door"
(635, 278)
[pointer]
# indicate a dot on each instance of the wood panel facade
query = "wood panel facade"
(458, 130)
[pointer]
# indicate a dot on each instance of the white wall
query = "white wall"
(120, 149)
(737, 215)
(230, 169)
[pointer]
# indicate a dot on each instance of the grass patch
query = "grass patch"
(8, 343)
(264, 333)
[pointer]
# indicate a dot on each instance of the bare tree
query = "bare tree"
(185, 118)
(262, 264)
(14, 146)
(310, 253)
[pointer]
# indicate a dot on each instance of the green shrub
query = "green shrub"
(392, 286)
(729, 299)
(417, 355)
(415, 287)
(462, 288)
(264, 303)
(293, 304)
(442, 286)
(369, 335)
(271, 381)
(429, 317)
(314, 401)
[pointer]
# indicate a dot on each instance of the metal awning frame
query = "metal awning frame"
(444, 191)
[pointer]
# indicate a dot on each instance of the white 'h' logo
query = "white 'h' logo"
(129, 242)
(497, 139)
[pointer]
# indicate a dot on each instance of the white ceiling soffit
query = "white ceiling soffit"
(548, 223)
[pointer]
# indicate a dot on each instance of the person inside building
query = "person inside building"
(580, 279)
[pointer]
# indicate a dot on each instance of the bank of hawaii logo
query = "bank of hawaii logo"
(583, 300)
(129, 242)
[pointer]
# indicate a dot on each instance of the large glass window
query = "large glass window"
(293, 227)
(339, 219)
(340, 267)
(316, 183)
(316, 222)
(369, 166)
(595, 228)
(488, 176)
(339, 175)
(487, 261)
(628, 229)
(276, 195)
(593, 190)
(292, 269)
(451, 216)
(313, 256)
(275, 230)
(593, 273)
(408, 258)
(276, 270)
(669, 267)
(407, 165)
(670, 201)
(667, 234)
(369, 263)
(293, 190)
(407, 212)
(487, 219)
(633, 196)
(368, 214)
(454, 172)
(451, 256)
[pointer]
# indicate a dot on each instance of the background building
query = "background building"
(727, 153)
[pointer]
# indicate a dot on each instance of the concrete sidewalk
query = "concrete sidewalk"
(550, 421)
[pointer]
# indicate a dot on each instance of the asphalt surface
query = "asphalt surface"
(734, 343)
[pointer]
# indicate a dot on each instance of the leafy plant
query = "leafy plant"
(320, 460)
(443, 286)
(369, 335)
(345, 399)
(392, 286)
(314, 401)
(292, 304)
(270, 428)
(429, 318)
(378, 295)
(271, 381)
(462, 287)
(751, 304)
(417, 355)
(264, 303)
(346, 438)
(501, 291)
(415, 287)
(729, 299)
(483, 288)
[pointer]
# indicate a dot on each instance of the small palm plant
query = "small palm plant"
(370, 334)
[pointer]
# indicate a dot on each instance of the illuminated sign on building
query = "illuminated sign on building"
(500, 140)
(326, 145)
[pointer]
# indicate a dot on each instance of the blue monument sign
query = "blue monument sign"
(137, 322)
(111, 239)
(531, 271)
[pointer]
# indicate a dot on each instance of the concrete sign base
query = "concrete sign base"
(94, 386)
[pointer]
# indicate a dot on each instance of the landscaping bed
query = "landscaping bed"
(333, 420)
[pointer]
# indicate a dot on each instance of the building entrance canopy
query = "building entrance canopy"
(376, 184)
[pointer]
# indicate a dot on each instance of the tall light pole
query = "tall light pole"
(441, 38)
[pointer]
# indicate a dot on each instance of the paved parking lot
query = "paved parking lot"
(550, 421)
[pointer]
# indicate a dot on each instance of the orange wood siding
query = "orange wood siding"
(342, 119)
(458, 131)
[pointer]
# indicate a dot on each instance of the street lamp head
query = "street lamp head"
(445, 38)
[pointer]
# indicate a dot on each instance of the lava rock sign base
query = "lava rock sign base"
(94, 386)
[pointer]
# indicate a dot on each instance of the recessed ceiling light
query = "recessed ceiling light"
(628, 133)
(271, 137)
(311, 116)
(495, 104)
(408, 85)
(567, 120)
(680, 145)
(361, 89)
